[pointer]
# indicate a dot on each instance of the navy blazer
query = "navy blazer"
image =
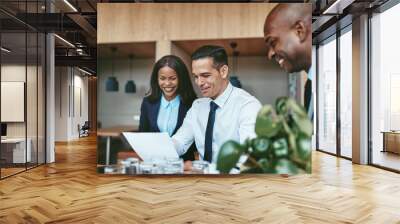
(148, 121)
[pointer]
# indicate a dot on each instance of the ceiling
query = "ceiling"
(79, 27)
(332, 15)
(75, 22)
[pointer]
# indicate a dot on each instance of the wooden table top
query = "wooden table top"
(116, 131)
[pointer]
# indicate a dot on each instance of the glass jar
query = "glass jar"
(200, 167)
(173, 166)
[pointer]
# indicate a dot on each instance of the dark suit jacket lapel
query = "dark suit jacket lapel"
(156, 110)
(181, 116)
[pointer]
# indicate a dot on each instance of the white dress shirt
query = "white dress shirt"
(234, 120)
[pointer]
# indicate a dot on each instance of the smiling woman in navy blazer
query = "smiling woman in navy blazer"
(171, 95)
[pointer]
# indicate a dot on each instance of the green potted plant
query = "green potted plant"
(282, 145)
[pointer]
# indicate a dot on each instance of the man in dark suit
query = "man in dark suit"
(288, 37)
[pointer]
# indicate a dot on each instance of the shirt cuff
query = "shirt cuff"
(178, 147)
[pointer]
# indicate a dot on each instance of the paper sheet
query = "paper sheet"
(150, 146)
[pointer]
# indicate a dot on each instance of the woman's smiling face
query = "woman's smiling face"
(168, 82)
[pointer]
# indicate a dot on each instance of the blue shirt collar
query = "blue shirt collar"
(310, 74)
(173, 103)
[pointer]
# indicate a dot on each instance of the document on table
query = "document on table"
(150, 146)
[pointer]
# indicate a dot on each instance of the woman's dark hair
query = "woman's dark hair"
(185, 88)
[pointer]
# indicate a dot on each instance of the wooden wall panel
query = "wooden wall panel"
(124, 23)
(163, 47)
(246, 46)
(138, 49)
(181, 53)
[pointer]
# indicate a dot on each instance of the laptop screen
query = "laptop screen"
(3, 129)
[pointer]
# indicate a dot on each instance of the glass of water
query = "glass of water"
(133, 167)
(124, 164)
(201, 167)
(112, 169)
(146, 168)
(173, 166)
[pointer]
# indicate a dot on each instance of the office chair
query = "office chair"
(84, 130)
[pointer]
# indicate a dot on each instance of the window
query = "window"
(22, 65)
(385, 88)
(327, 96)
(346, 92)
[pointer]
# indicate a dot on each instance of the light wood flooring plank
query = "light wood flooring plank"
(70, 191)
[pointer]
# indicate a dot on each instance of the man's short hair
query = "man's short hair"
(217, 53)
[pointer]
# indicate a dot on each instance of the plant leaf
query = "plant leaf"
(280, 148)
(285, 166)
(228, 156)
(266, 165)
(303, 124)
(267, 123)
(304, 147)
(281, 105)
(260, 147)
(296, 108)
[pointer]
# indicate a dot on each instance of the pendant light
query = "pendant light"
(233, 78)
(130, 86)
(112, 82)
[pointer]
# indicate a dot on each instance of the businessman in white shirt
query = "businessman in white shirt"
(224, 113)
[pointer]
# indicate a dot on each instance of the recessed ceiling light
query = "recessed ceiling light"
(5, 50)
(337, 7)
(70, 5)
(84, 71)
(64, 40)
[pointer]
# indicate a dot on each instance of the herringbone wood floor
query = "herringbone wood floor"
(70, 191)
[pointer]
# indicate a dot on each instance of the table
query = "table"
(391, 141)
(17, 147)
(187, 169)
(114, 132)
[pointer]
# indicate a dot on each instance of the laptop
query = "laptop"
(151, 146)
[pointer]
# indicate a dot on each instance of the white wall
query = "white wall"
(80, 105)
(17, 72)
(61, 103)
(70, 83)
(263, 79)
